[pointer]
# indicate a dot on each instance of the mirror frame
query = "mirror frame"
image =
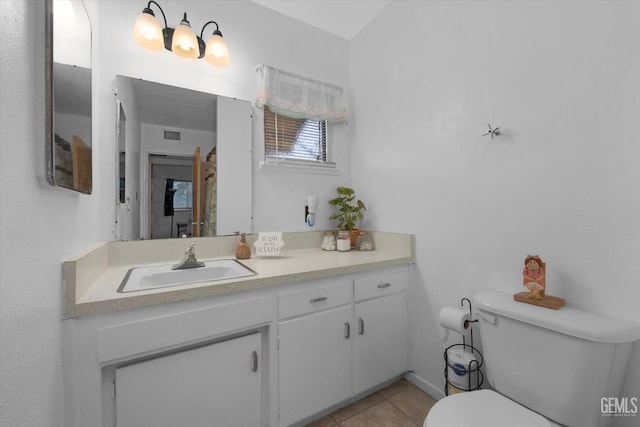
(49, 156)
(50, 151)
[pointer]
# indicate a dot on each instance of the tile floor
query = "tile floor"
(399, 405)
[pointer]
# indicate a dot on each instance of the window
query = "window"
(297, 110)
(182, 198)
(296, 140)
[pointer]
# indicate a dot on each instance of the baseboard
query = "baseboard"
(436, 391)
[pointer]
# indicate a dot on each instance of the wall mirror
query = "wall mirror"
(68, 86)
(183, 162)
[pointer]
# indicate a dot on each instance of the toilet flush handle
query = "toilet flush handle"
(488, 317)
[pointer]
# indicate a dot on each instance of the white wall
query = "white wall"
(41, 226)
(560, 79)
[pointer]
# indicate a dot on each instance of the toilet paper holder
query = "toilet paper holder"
(471, 320)
(460, 375)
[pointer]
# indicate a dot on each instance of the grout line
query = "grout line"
(413, 389)
(357, 413)
(336, 423)
(401, 411)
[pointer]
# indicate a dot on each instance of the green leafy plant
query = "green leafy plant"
(349, 209)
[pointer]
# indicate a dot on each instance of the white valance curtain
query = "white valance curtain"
(299, 97)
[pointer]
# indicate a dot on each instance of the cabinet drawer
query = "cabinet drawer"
(380, 284)
(319, 297)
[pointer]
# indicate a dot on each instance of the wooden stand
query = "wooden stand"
(548, 301)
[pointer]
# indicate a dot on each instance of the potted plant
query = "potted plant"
(350, 210)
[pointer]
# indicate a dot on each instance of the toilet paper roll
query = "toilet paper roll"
(455, 319)
(462, 366)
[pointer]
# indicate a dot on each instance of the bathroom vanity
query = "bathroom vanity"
(304, 334)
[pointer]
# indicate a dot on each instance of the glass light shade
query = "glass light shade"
(184, 41)
(217, 52)
(147, 32)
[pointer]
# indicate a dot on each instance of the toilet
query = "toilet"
(547, 367)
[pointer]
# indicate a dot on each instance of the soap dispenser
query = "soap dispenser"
(243, 251)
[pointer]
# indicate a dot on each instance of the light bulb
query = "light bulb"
(217, 52)
(184, 42)
(147, 31)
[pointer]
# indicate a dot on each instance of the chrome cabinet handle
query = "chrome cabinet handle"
(347, 330)
(384, 285)
(360, 326)
(312, 300)
(254, 363)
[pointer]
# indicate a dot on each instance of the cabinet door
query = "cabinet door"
(314, 363)
(381, 340)
(216, 385)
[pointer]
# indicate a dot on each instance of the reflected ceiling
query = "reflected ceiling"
(171, 106)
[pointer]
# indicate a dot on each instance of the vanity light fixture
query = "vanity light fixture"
(182, 41)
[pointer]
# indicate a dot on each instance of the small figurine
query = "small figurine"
(534, 276)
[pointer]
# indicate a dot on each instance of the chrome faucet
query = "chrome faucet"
(189, 260)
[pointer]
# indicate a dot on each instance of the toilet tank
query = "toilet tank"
(559, 363)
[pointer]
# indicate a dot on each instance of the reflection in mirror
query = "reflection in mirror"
(69, 154)
(187, 162)
(121, 123)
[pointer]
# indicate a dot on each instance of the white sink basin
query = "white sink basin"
(162, 276)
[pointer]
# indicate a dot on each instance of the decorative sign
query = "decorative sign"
(269, 244)
(534, 279)
(534, 276)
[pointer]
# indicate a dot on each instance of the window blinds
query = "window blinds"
(296, 140)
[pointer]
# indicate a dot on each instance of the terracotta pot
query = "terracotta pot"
(354, 237)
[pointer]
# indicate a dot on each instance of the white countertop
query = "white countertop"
(91, 281)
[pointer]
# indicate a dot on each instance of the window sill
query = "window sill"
(299, 168)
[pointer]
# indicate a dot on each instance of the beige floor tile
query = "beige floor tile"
(326, 421)
(395, 388)
(356, 407)
(383, 414)
(414, 403)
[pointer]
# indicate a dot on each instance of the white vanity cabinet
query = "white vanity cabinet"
(267, 357)
(217, 384)
(339, 339)
(381, 321)
(314, 342)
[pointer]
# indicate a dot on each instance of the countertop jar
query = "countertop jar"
(328, 241)
(365, 241)
(343, 241)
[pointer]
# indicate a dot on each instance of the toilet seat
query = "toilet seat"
(482, 408)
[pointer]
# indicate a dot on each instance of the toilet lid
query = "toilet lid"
(482, 408)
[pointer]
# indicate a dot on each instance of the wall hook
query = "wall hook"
(492, 132)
